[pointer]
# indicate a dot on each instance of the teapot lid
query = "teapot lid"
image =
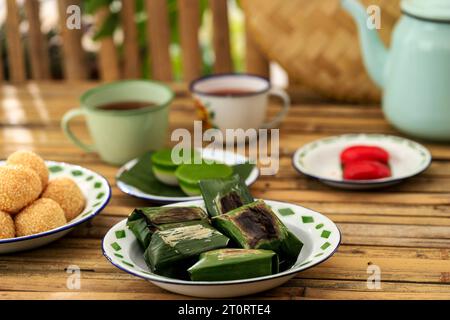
(437, 10)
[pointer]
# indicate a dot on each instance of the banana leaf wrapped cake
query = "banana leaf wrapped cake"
(234, 264)
(256, 226)
(224, 195)
(173, 250)
(143, 222)
(239, 238)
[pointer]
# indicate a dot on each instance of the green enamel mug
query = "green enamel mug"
(124, 134)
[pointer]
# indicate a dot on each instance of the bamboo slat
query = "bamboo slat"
(131, 57)
(15, 49)
(38, 48)
(221, 36)
(2, 75)
(279, 294)
(108, 58)
(159, 39)
(75, 67)
(189, 24)
(255, 61)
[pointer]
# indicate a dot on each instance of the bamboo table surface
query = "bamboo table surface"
(405, 230)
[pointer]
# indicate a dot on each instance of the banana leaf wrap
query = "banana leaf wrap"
(143, 222)
(224, 195)
(234, 264)
(256, 226)
(172, 251)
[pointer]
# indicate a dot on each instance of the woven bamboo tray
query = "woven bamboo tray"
(317, 43)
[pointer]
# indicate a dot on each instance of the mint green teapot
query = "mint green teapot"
(415, 73)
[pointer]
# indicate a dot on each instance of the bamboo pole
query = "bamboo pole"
(74, 57)
(15, 49)
(159, 39)
(255, 61)
(221, 36)
(108, 58)
(132, 61)
(189, 23)
(38, 47)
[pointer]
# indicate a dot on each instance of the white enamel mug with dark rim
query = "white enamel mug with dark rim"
(243, 110)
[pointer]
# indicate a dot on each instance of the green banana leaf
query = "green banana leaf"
(234, 264)
(291, 247)
(141, 176)
(143, 222)
(172, 251)
(224, 195)
(138, 225)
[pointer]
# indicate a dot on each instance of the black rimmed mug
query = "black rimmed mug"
(237, 101)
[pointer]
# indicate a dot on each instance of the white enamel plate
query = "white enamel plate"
(218, 155)
(321, 159)
(95, 189)
(320, 236)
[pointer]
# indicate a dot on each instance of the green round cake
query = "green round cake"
(189, 175)
(164, 168)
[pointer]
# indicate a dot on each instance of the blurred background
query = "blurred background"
(310, 47)
(111, 25)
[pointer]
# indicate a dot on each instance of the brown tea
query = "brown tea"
(126, 105)
(231, 92)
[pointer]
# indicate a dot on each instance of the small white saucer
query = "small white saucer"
(321, 159)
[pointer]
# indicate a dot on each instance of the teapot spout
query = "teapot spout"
(374, 51)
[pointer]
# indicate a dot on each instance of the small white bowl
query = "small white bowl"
(320, 236)
(96, 190)
(218, 155)
(320, 159)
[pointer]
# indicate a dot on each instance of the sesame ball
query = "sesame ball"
(30, 160)
(7, 229)
(68, 195)
(19, 187)
(41, 216)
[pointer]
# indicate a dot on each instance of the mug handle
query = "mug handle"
(277, 92)
(66, 128)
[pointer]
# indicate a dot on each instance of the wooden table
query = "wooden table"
(405, 230)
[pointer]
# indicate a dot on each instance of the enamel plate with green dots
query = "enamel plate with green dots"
(320, 236)
(96, 191)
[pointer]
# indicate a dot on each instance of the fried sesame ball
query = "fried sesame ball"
(30, 160)
(19, 186)
(42, 215)
(68, 195)
(7, 229)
